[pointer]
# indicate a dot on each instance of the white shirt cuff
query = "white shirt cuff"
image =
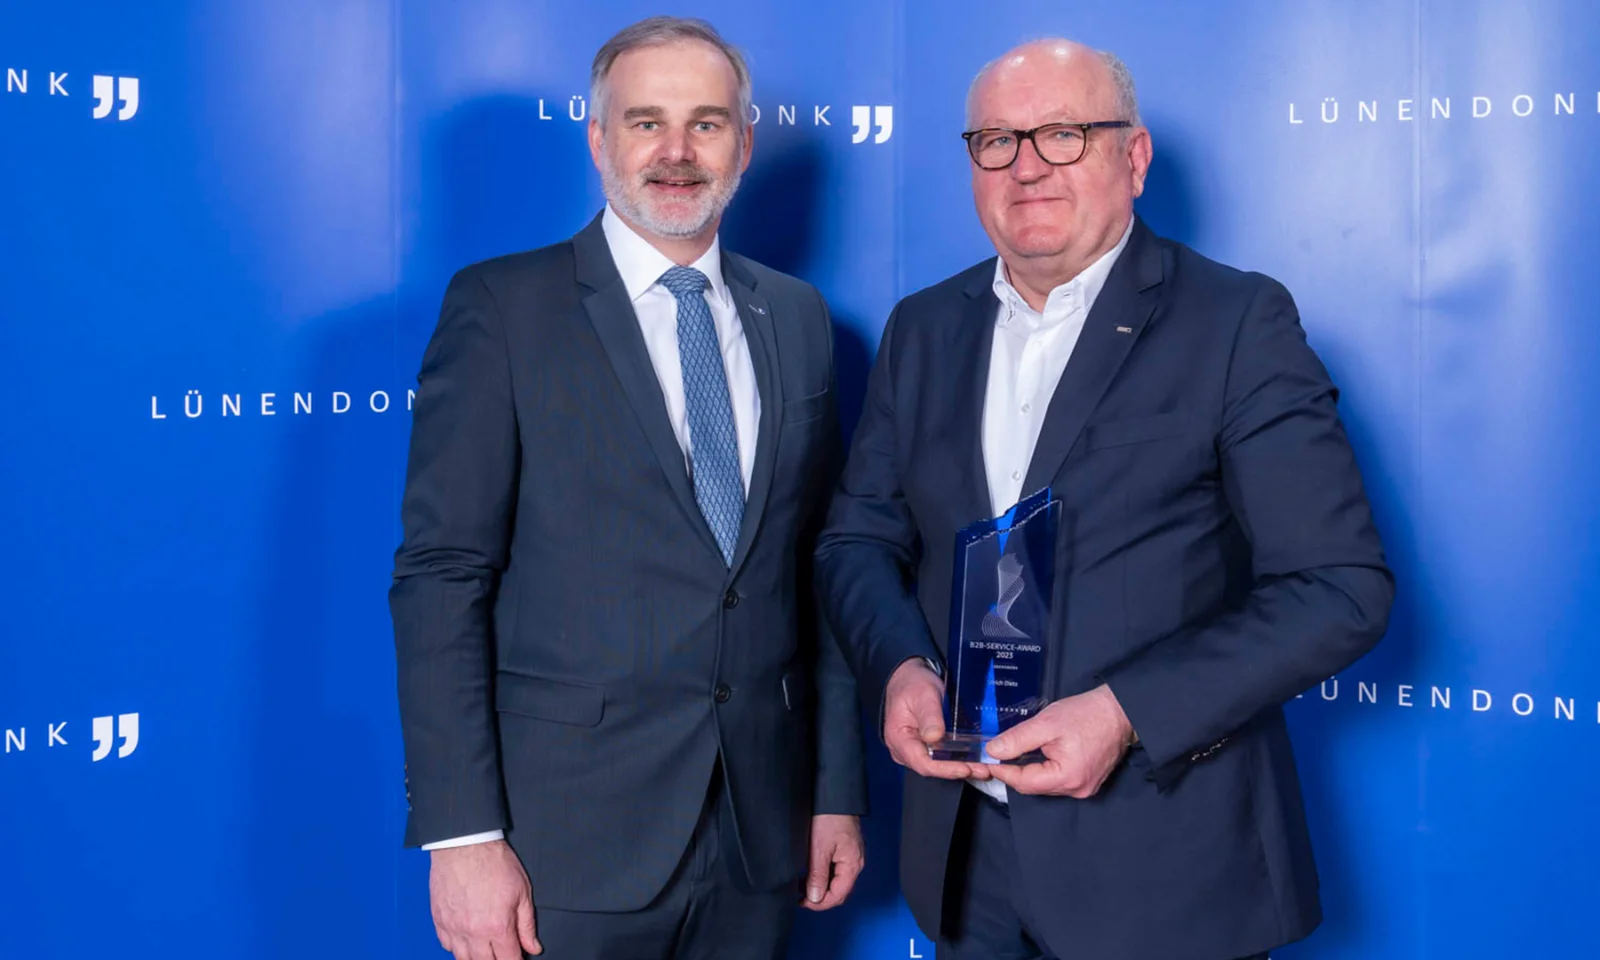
(466, 841)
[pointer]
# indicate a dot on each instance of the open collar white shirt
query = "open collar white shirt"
(1029, 354)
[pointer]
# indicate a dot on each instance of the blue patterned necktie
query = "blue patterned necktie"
(713, 443)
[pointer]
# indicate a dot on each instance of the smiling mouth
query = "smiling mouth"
(675, 183)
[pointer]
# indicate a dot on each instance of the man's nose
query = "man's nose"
(1029, 165)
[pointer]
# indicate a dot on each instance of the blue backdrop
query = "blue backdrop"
(224, 232)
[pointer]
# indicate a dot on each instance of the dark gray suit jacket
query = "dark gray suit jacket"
(573, 651)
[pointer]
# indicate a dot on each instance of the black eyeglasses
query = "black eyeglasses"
(1058, 144)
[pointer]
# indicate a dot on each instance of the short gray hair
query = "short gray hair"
(656, 31)
(1127, 96)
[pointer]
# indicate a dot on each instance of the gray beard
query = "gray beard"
(617, 194)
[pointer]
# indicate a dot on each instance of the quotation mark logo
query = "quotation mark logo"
(127, 728)
(865, 118)
(126, 89)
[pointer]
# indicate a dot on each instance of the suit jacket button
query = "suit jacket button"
(722, 694)
(730, 599)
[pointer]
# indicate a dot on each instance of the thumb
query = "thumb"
(525, 929)
(928, 714)
(1017, 741)
(817, 879)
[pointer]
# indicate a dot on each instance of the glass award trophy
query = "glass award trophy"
(999, 615)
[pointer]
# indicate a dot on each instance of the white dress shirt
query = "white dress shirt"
(1030, 352)
(641, 266)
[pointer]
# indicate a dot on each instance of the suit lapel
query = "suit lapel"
(755, 313)
(970, 346)
(617, 326)
(1118, 319)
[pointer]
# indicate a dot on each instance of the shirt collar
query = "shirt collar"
(1084, 288)
(641, 264)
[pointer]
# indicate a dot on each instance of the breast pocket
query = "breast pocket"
(1122, 433)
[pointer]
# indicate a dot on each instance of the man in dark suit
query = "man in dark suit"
(613, 679)
(1216, 554)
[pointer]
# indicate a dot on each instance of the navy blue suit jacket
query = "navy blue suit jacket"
(1216, 557)
(574, 653)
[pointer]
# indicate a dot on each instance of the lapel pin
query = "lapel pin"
(760, 310)
(1124, 329)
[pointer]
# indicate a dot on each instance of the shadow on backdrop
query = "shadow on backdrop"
(481, 187)
(773, 221)
(1322, 733)
(1168, 204)
(1171, 209)
(493, 179)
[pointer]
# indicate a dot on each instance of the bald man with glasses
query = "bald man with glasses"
(1214, 554)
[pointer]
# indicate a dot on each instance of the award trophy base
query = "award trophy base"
(969, 748)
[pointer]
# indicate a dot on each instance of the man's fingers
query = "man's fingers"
(834, 898)
(916, 699)
(927, 716)
(844, 881)
(908, 750)
(958, 770)
(506, 947)
(815, 896)
(1025, 736)
(920, 723)
(485, 950)
(926, 766)
(1048, 778)
(526, 933)
(917, 725)
(904, 745)
(817, 879)
(1014, 779)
